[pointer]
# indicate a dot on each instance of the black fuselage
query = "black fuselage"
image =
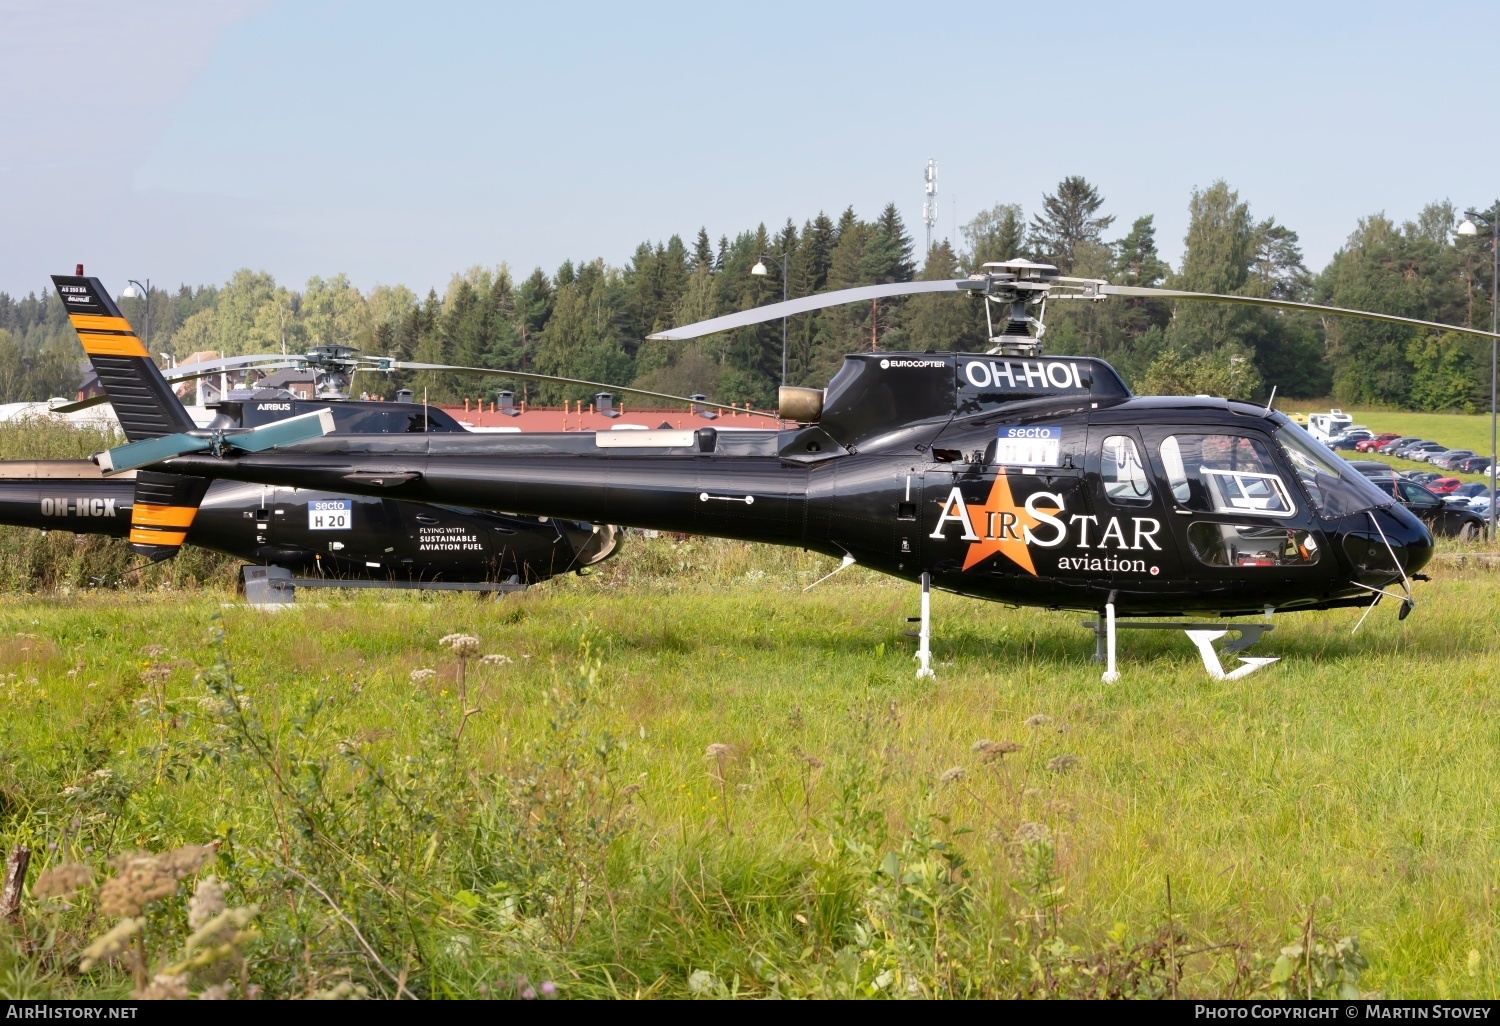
(341, 533)
(1038, 482)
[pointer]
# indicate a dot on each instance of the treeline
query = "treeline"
(590, 319)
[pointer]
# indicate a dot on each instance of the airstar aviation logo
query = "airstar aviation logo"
(1001, 525)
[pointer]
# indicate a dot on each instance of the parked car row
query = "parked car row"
(1420, 450)
(1452, 517)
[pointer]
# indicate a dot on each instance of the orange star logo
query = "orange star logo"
(1000, 524)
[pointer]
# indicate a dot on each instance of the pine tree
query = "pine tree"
(534, 304)
(994, 235)
(1068, 218)
(888, 251)
(583, 338)
(848, 252)
(1138, 264)
(1219, 239)
(847, 329)
(1137, 260)
(808, 275)
(1277, 262)
(703, 253)
(942, 321)
(818, 239)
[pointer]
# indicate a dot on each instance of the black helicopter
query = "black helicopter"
(332, 534)
(1008, 475)
(340, 535)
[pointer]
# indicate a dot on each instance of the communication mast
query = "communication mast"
(929, 207)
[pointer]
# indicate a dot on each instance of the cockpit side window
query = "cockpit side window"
(1225, 474)
(1123, 472)
(1335, 488)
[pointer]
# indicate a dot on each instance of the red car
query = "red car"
(1371, 444)
(1443, 485)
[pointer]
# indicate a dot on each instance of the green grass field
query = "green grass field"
(739, 789)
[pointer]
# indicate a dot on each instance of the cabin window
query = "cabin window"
(1251, 545)
(1225, 474)
(1123, 473)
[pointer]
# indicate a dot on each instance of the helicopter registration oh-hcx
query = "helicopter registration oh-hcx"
(1011, 476)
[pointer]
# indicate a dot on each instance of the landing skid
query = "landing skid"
(1203, 635)
(273, 587)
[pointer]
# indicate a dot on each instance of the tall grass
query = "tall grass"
(32, 560)
(693, 779)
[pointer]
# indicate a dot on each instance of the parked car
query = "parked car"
(1421, 477)
(1469, 490)
(1474, 465)
(1447, 460)
(1443, 485)
(1444, 519)
(1349, 439)
(1389, 448)
(1381, 473)
(1372, 444)
(1421, 452)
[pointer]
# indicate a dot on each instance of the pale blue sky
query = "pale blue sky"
(404, 142)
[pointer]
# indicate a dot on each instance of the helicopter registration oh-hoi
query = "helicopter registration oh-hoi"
(1011, 475)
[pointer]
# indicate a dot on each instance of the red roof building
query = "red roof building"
(578, 416)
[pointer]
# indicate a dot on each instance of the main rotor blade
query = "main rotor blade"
(214, 366)
(175, 376)
(1285, 304)
(776, 311)
(82, 404)
(528, 376)
(172, 379)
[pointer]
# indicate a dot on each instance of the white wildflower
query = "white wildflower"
(465, 646)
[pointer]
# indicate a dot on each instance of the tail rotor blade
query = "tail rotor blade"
(301, 428)
(152, 450)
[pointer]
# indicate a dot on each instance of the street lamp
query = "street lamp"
(1492, 222)
(135, 290)
(760, 271)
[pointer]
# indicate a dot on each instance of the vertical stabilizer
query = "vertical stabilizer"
(144, 402)
(163, 513)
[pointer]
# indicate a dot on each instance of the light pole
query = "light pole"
(759, 270)
(1492, 222)
(135, 290)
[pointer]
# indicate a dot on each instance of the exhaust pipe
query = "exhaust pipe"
(804, 405)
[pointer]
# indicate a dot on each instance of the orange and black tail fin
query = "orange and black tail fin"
(144, 402)
(163, 513)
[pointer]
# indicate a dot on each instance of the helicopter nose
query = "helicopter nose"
(1407, 535)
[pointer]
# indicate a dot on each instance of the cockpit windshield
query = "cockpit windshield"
(1336, 489)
